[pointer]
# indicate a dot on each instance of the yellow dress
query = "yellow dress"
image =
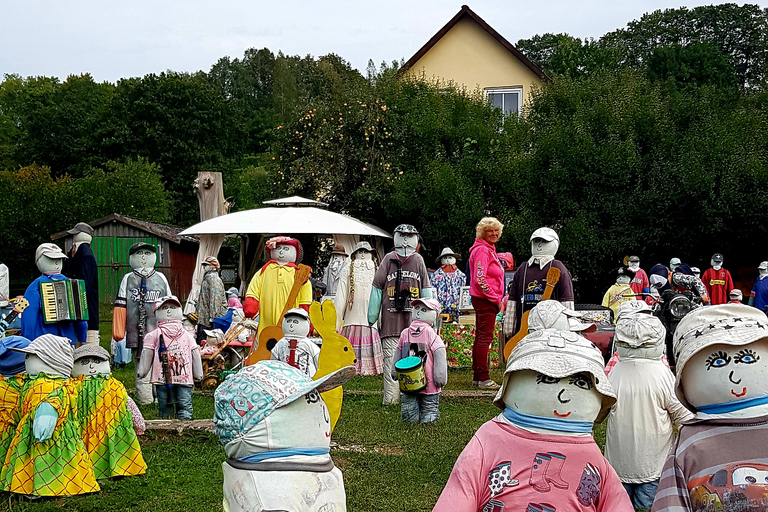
(107, 428)
(9, 411)
(59, 466)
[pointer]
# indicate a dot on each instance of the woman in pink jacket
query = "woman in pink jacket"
(486, 287)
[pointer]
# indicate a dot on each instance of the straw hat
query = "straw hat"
(731, 324)
(559, 354)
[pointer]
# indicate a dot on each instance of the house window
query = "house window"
(508, 99)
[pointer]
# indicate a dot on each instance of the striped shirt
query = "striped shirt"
(717, 464)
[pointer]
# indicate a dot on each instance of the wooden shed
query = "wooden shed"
(114, 234)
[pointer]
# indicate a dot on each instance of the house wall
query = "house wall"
(469, 55)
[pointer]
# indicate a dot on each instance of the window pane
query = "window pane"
(497, 100)
(510, 102)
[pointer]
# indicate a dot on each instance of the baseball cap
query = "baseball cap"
(298, 312)
(167, 298)
(91, 350)
(81, 227)
(428, 302)
(49, 250)
(717, 257)
(141, 245)
(547, 234)
(763, 265)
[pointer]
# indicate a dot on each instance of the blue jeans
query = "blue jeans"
(419, 408)
(183, 395)
(642, 494)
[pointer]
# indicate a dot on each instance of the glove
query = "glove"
(45, 421)
(499, 316)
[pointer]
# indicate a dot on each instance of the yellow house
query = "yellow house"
(468, 52)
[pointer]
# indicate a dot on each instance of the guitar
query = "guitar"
(553, 276)
(6, 321)
(271, 334)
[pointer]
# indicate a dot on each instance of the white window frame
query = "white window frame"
(502, 90)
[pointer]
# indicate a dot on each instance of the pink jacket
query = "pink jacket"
(487, 276)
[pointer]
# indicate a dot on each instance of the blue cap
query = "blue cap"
(12, 363)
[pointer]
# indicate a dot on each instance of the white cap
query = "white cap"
(547, 234)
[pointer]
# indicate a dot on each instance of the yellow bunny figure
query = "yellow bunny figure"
(335, 353)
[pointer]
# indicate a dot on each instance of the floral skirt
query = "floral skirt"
(367, 346)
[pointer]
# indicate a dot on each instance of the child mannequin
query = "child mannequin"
(539, 453)
(420, 339)
(105, 422)
(295, 348)
(184, 363)
(47, 441)
(619, 292)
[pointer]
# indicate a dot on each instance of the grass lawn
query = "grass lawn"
(387, 465)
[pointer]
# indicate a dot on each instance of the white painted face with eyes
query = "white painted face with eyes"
(295, 326)
(48, 265)
(405, 243)
(540, 247)
(570, 398)
(723, 373)
(305, 422)
(143, 260)
(363, 256)
(90, 366)
(423, 313)
(634, 265)
(169, 311)
(624, 279)
(283, 254)
(448, 260)
(36, 365)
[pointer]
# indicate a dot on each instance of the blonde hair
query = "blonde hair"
(487, 223)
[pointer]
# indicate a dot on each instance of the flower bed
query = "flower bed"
(458, 344)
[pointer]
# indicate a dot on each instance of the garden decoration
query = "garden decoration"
(12, 369)
(401, 278)
(722, 375)
(171, 360)
(619, 292)
(56, 304)
(212, 299)
(717, 281)
(295, 348)
(539, 452)
(352, 297)
(106, 425)
(134, 314)
(46, 456)
(276, 432)
(332, 275)
(82, 265)
(447, 281)
(280, 285)
(335, 353)
(420, 364)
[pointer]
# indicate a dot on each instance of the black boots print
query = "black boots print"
(546, 471)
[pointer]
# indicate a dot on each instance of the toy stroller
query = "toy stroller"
(214, 363)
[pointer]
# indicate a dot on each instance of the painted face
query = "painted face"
(295, 326)
(142, 259)
(363, 256)
(717, 265)
(284, 254)
(36, 365)
(492, 235)
(645, 351)
(573, 398)
(303, 422)
(405, 243)
(169, 311)
(90, 366)
(422, 312)
(623, 279)
(540, 247)
(448, 260)
(723, 373)
(634, 265)
(48, 265)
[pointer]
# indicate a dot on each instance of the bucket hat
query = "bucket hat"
(559, 354)
(447, 251)
(545, 314)
(731, 324)
(632, 307)
(339, 249)
(55, 351)
(247, 397)
(640, 330)
(362, 246)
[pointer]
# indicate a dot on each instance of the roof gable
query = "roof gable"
(466, 12)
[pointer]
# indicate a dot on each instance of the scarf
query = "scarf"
(171, 329)
(449, 269)
(292, 265)
(736, 405)
(530, 421)
(286, 452)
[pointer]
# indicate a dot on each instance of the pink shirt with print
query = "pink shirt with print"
(180, 350)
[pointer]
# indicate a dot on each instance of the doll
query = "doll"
(401, 278)
(421, 340)
(448, 280)
(295, 348)
(270, 288)
(351, 301)
(276, 433)
(641, 423)
(212, 300)
(82, 265)
(332, 274)
(539, 452)
(717, 281)
(718, 459)
(46, 456)
(134, 313)
(758, 297)
(106, 425)
(50, 261)
(173, 357)
(620, 291)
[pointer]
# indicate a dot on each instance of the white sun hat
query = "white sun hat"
(559, 354)
(731, 324)
(631, 307)
(640, 330)
(545, 314)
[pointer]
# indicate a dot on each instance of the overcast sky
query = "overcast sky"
(116, 39)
